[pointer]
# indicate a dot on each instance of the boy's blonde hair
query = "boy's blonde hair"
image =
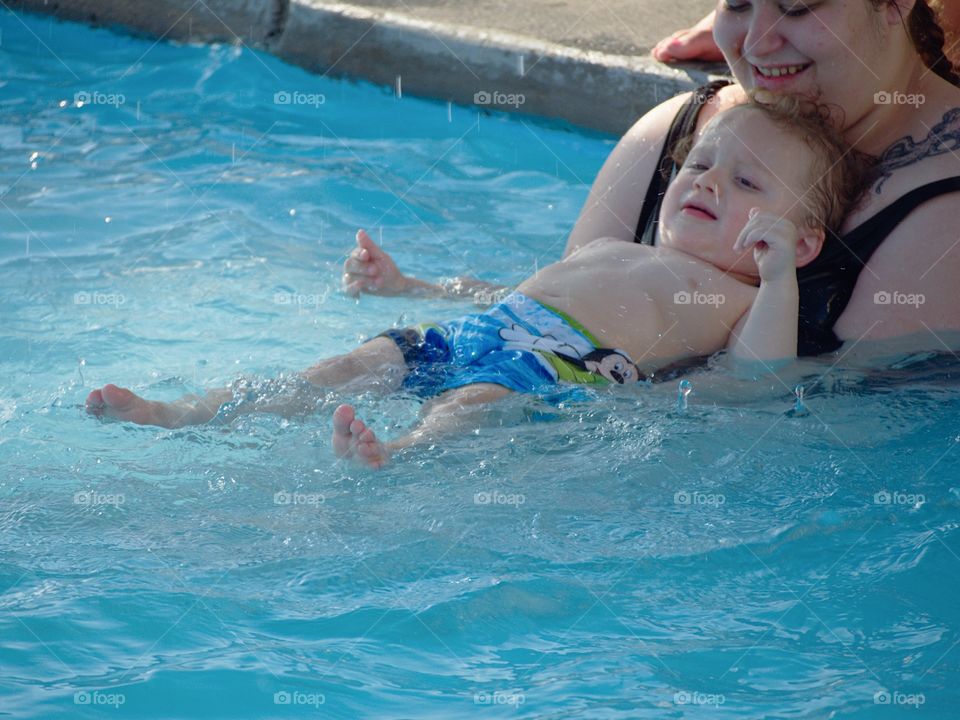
(840, 174)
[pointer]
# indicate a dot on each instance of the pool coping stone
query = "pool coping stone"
(592, 79)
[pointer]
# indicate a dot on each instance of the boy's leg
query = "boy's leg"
(446, 414)
(375, 364)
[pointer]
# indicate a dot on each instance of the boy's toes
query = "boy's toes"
(121, 404)
(343, 416)
(357, 428)
(95, 403)
(118, 399)
(370, 450)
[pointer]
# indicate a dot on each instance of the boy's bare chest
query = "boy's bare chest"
(633, 296)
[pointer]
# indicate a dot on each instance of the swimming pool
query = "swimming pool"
(176, 215)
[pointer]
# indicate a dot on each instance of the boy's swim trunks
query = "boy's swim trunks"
(519, 343)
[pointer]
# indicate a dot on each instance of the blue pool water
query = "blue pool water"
(607, 559)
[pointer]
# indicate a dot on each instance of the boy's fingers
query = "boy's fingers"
(751, 239)
(366, 243)
(360, 264)
(741, 243)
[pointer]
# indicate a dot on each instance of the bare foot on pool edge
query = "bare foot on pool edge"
(352, 439)
(120, 403)
(695, 43)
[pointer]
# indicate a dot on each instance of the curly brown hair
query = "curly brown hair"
(839, 174)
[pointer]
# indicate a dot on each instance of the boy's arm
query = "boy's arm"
(370, 270)
(769, 332)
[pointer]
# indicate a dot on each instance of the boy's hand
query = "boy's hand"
(371, 270)
(774, 242)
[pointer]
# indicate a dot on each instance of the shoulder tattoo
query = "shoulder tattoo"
(944, 137)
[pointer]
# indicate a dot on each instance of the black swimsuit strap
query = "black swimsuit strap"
(827, 283)
(868, 235)
(683, 126)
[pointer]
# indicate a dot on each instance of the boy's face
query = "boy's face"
(741, 161)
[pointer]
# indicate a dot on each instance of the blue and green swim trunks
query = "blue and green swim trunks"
(519, 343)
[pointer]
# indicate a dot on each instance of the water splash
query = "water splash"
(683, 390)
(798, 409)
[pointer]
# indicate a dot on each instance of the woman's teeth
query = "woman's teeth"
(780, 71)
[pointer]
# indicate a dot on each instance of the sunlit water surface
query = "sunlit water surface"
(176, 225)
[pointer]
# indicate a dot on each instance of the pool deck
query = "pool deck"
(583, 61)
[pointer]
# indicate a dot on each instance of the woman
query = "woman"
(871, 59)
(697, 43)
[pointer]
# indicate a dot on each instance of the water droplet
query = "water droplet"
(683, 390)
(798, 409)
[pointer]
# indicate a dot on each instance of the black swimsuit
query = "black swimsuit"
(827, 283)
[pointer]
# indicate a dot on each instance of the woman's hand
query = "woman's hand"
(695, 43)
(368, 269)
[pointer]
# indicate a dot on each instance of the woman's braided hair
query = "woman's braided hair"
(928, 38)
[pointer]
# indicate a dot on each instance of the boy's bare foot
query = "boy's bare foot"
(352, 439)
(120, 403)
(695, 43)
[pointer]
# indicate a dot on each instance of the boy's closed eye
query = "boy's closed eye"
(699, 166)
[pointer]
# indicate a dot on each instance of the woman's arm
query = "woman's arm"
(613, 206)
(910, 283)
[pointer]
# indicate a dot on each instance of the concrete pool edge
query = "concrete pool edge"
(490, 69)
